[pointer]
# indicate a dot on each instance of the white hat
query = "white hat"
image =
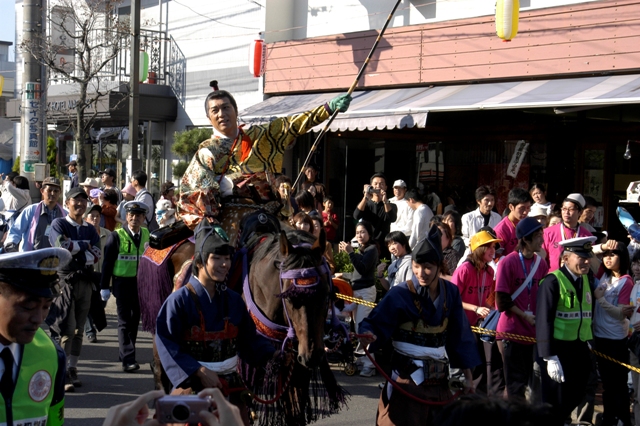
(90, 182)
(399, 183)
(580, 246)
(576, 198)
(538, 211)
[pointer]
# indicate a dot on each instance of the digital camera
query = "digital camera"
(372, 190)
(181, 408)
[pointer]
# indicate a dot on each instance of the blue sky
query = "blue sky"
(8, 24)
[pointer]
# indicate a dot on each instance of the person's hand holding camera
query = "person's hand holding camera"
(344, 246)
(225, 413)
(368, 191)
(383, 196)
(133, 413)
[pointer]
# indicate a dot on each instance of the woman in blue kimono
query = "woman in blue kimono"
(203, 328)
(429, 331)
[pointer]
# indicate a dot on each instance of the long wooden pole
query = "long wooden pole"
(350, 91)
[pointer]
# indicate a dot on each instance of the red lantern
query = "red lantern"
(257, 58)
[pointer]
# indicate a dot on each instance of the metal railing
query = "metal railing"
(167, 63)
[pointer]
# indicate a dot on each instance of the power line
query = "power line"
(215, 20)
(369, 15)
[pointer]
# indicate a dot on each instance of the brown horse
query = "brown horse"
(303, 301)
(289, 287)
(291, 267)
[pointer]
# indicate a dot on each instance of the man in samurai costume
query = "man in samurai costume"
(429, 331)
(235, 159)
(203, 327)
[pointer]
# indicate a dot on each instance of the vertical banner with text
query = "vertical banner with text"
(33, 120)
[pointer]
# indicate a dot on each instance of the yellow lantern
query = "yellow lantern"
(507, 12)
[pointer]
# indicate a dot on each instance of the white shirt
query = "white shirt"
(473, 221)
(421, 218)
(635, 301)
(547, 206)
(404, 219)
(15, 351)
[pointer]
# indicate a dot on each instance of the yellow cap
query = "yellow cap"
(482, 238)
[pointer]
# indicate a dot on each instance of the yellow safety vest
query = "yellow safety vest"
(33, 393)
(573, 319)
(129, 255)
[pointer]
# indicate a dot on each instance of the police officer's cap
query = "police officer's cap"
(580, 246)
(136, 207)
(34, 272)
(429, 250)
(211, 238)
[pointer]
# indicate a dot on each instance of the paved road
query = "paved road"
(105, 384)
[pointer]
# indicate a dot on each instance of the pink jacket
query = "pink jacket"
(552, 236)
(474, 286)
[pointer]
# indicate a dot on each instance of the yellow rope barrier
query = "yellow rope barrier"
(356, 300)
(480, 330)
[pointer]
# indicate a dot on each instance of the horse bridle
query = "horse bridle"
(264, 325)
(301, 284)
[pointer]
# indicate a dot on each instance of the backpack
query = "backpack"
(152, 224)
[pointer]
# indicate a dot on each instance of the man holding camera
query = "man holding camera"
(376, 209)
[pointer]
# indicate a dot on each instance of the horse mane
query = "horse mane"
(270, 248)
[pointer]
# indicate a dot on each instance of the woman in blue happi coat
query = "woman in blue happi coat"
(203, 328)
(424, 319)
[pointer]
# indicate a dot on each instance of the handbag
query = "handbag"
(169, 235)
(490, 322)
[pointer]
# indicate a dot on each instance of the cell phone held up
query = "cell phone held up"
(182, 408)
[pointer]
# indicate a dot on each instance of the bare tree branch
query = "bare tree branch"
(91, 35)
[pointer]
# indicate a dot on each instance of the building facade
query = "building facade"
(445, 103)
(187, 45)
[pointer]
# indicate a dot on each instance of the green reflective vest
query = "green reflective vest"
(573, 319)
(33, 394)
(129, 255)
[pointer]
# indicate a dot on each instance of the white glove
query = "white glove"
(554, 368)
(105, 295)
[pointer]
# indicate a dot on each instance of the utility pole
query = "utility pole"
(134, 85)
(33, 121)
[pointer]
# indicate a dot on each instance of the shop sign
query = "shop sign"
(33, 123)
(518, 157)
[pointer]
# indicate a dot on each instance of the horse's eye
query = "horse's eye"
(306, 281)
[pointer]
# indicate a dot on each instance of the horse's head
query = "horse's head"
(305, 292)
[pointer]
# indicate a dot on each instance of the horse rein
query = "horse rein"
(303, 280)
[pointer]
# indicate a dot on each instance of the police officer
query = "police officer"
(122, 254)
(32, 367)
(563, 327)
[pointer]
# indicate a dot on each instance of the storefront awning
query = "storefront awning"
(399, 108)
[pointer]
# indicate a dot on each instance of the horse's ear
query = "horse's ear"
(285, 245)
(321, 242)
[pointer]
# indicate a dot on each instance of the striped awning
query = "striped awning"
(400, 108)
